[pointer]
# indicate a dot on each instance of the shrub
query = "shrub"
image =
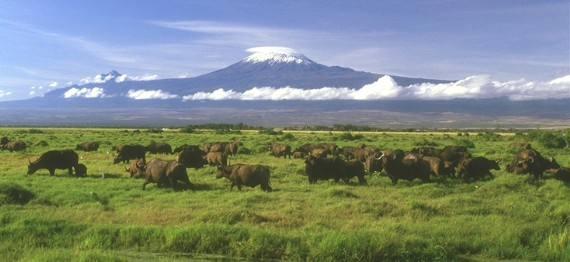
(552, 140)
(288, 136)
(349, 136)
(465, 142)
(187, 129)
(270, 131)
(14, 194)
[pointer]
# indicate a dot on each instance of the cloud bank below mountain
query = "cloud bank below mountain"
(474, 87)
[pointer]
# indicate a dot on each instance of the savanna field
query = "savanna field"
(106, 216)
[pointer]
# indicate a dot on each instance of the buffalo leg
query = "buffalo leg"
(70, 171)
(145, 183)
(362, 180)
(52, 172)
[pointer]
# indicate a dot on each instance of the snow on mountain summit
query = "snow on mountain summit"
(276, 54)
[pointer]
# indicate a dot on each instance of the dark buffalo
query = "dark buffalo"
(192, 157)
(15, 146)
(81, 170)
(159, 148)
(280, 150)
(129, 152)
(530, 161)
(136, 168)
(246, 175)
(88, 146)
(476, 168)
(333, 168)
(562, 174)
(398, 165)
(164, 172)
(217, 158)
(4, 140)
(348, 152)
(55, 159)
(373, 164)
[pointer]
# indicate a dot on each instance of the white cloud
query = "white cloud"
(143, 94)
(53, 84)
(94, 92)
(32, 93)
(98, 79)
(385, 87)
(4, 93)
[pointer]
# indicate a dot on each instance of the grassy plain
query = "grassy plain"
(107, 217)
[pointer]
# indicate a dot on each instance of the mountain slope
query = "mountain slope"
(274, 67)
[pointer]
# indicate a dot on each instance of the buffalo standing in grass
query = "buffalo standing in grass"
(233, 148)
(436, 165)
(246, 175)
(372, 164)
(192, 157)
(88, 146)
(55, 159)
(167, 173)
(159, 148)
(15, 146)
(136, 168)
(398, 165)
(214, 147)
(129, 152)
(280, 150)
(476, 168)
(530, 161)
(298, 155)
(333, 168)
(217, 158)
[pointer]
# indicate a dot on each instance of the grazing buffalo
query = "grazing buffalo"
(298, 155)
(476, 168)
(81, 170)
(372, 164)
(232, 148)
(437, 166)
(217, 158)
(333, 168)
(398, 165)
(192, 157)
(129, 152)
(363, 152)
(136, 168)
(164, 172)
(214, 147)
(88, 146)
(55, 159)
(562, 174)
(159, 148)
(280, 150)
(14, 146)
(452, 155)
(328, 149)
(348, 152)
(246, 175)
(427, 151)
(530, 161)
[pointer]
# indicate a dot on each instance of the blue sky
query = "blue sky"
(59, 41)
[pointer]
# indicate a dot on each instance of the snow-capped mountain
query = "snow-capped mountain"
(264, 67)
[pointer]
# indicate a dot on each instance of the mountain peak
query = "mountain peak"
(276, 54)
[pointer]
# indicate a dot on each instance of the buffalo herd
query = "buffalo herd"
(325, 161)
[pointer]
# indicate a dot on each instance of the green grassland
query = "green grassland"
(107, 216)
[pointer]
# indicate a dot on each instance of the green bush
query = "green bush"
(349, 137)
(552, 140)
(465, 142)
(11, 193)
